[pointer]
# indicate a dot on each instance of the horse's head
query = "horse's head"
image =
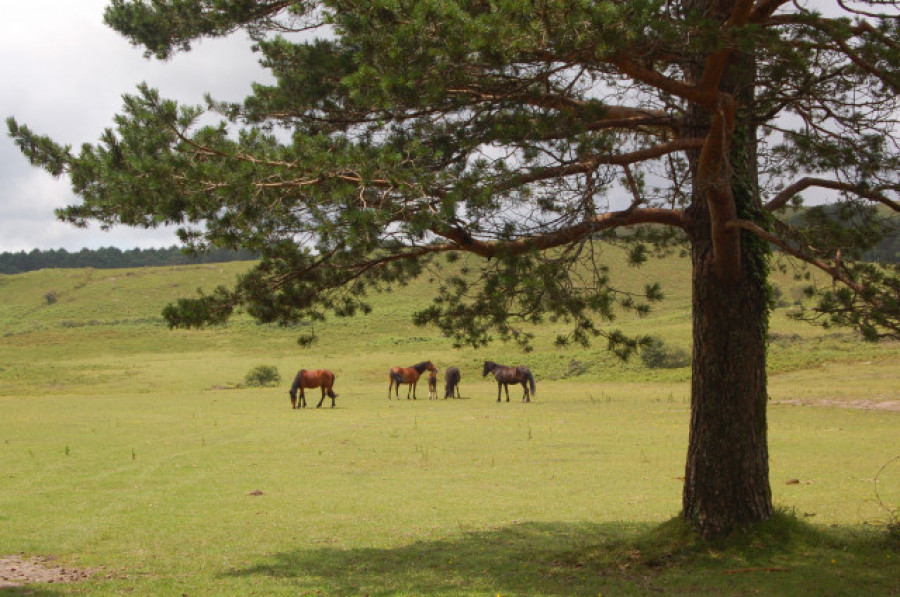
(424, 366)
(488, 367)
(294, 386)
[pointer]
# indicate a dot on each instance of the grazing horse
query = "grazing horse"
(432, 385)
(451, 383)
(320, 378)
(507, 375)
(408, 375)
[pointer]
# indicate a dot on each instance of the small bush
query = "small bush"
(576, 368)
(656, 355)
(51, 297)
(263, 376)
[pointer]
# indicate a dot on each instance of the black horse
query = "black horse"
(507, 375)
(451, 383)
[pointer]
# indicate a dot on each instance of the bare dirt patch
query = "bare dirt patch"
(889, 405)
(16, 571)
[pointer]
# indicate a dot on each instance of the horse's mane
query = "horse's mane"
(297, 381)
(419, 367)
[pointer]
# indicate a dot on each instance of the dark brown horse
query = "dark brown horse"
(319, 378)
(451, 383)
(507, 375)
(408, 375)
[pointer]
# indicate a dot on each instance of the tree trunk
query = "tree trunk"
(727, 473)
(726, 483)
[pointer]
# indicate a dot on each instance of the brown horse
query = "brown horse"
(319, 378)
(408, 375)
(507, 375)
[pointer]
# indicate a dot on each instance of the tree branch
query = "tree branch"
(593, 162)
(714, 178)
(782, 198)
(832, 270)
(638, 72)
(629, 217)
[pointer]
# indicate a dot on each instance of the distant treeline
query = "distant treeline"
(887, 251)
(111, 257)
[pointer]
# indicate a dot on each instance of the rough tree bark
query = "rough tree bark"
(727, 471)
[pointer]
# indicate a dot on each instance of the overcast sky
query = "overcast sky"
(63, 73)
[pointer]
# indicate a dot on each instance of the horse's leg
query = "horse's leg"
(499, 386)
(525, 396)
(331, 393)
(319, 405)
(302, 400)
(390, 387)
(506, 387)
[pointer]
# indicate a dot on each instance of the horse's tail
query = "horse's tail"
(330, 391)
(530, 378)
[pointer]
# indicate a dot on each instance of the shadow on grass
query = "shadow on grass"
(33, 590)
(785, 557)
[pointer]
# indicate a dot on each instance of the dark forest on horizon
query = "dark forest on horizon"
(113, 257)
(885, 250)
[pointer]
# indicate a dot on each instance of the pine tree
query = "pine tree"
(402, 130)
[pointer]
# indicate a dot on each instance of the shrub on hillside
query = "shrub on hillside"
(657, 355)
(263, 376)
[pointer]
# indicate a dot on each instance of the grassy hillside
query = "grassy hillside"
(62, 326)
(126, 447)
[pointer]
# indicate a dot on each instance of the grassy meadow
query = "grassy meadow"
(134, 451)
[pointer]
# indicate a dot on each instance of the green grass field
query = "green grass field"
(132, 450)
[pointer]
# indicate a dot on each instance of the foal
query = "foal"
(432, 385)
